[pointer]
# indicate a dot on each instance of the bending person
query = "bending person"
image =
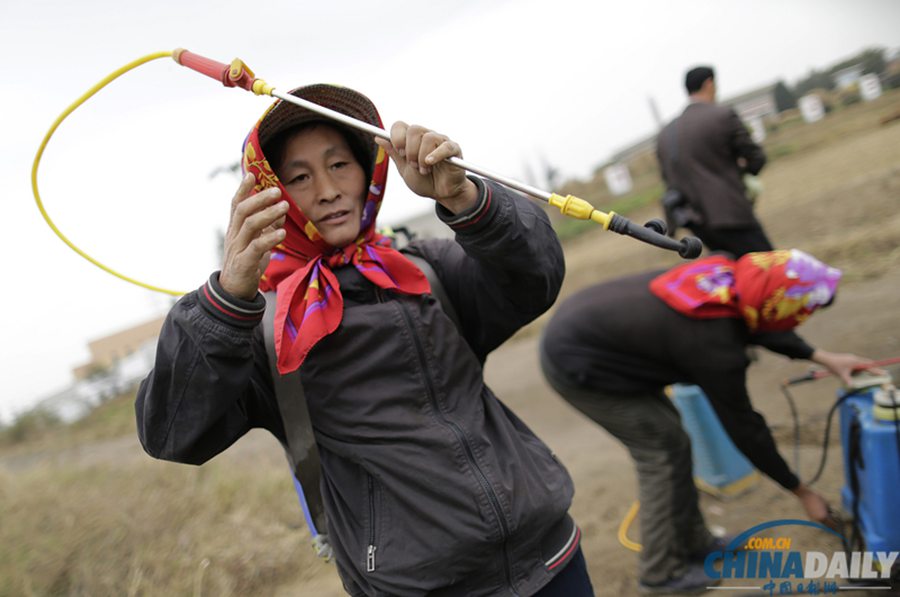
(430, 485)
(610, 350)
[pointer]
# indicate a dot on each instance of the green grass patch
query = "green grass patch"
(637, 200)
(781, 150)
(112, 418)
(29, 426)
(568, 228)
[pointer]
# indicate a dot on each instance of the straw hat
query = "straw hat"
(340, 99)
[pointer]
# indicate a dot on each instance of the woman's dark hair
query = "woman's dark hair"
(274, 150)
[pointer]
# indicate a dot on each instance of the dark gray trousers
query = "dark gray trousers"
(649, 425)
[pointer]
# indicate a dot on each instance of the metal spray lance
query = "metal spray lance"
(237, 74)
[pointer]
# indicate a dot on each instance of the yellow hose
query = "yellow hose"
(623, 528)
(37, 160)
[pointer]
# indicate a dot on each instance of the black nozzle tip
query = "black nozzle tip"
(691, 247)
(657, 225)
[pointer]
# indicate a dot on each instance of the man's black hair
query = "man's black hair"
(695, 78)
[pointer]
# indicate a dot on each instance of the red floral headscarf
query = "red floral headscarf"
(309, 305)
(771, 290)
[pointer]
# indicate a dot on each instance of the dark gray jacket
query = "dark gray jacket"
(430, 484)
(698, 155)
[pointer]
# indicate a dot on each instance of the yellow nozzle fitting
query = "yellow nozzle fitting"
(579, 208)
(603, 218)
(260, 87)
(237, 69)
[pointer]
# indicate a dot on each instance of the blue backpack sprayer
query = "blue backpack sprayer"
(870, 442)
(869, 415)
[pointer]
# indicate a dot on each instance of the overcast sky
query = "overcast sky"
(127, 176)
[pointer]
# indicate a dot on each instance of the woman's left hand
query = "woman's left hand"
(421, 158)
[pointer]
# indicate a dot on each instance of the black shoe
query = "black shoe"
(694, 580)
(752, 353)
(717, 544)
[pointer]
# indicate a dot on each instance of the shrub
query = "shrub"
(29, 425)
(849, 95)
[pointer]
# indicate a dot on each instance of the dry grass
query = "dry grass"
(145, 528)
(85, 513)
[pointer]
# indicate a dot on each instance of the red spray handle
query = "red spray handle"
(237, 74)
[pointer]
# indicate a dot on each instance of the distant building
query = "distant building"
(618, 179)
(638, 148)
(118, 363)
(758, 103)
(847, 77)
(110, 350)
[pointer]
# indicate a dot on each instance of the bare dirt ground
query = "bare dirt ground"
(838, 201)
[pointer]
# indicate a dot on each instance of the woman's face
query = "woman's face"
(327, 183)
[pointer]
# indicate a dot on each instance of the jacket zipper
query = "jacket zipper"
(470, 455)
(370, 552)
(371, 548)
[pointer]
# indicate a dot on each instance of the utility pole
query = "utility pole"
(654, 109)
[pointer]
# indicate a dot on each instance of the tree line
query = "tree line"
(871, 60)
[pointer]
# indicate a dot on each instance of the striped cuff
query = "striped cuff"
(467, 220)
(228, 309)
(565, 545)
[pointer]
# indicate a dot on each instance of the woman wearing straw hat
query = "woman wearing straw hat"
(430, 485)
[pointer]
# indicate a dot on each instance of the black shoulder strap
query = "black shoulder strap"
(437, 289)
(301, 450)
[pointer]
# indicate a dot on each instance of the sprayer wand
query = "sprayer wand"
(237, 74)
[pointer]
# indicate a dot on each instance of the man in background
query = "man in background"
(704, 154)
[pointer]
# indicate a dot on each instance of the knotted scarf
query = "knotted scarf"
(309, 305)
(772, 290)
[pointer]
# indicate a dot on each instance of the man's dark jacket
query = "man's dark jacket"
(698, 155)
(429, 482)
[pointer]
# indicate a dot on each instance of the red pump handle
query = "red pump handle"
(237, 74)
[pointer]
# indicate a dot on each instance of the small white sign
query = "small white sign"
(618, 179)
(869, 87)
(757, 129)
(811, 108)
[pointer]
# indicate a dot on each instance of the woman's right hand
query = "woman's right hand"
(255, 227)
(422, 159)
